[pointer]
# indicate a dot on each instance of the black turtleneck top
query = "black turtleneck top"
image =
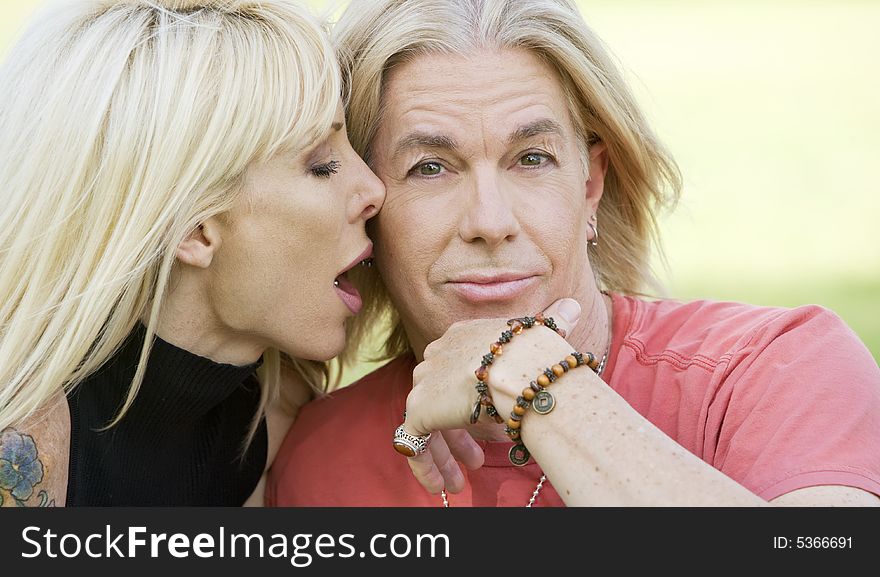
(180, 442)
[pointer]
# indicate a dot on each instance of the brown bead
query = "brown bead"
(485, 400)
(513, 424)
(516, 326)
(496, 349)
(482, 373)
(543, 381)
(528, 394)
(539, 318)
(519, 410)
(572, 362)
(557, 370)
(498, 418)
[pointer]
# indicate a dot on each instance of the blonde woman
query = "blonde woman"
(180, 203)
(519, 170)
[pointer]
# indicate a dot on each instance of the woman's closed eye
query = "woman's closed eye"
(324, 170)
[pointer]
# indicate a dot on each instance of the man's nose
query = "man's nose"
(489, 213)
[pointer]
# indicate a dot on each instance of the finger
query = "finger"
(566, 312)
(426, 472)
(424, 467)
(453, 478)
(464, 448)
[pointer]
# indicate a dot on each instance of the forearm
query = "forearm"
(597, 450)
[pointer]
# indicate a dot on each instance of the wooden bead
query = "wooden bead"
(543, 381)
(557, 370)
(513, 424)
(528, 394)
(519, 410)
(572, 362)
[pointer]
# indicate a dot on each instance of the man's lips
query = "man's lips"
(481, 288)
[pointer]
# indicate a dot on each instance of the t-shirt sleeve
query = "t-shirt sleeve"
(798, 405)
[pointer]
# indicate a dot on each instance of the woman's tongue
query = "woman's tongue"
(349, 295)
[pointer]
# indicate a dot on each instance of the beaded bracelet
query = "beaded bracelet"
(539, 398)
(517, 325)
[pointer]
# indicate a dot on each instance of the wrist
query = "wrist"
(502, 386)
(521, 362)
(539, 399)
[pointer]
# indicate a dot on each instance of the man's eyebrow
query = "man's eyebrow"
(424, 140)
(542, 126)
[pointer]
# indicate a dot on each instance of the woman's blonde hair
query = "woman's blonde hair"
(373, 36)
(123, 125)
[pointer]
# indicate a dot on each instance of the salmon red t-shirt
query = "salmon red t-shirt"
(777, 399)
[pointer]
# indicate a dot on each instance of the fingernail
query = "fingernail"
(570, 310)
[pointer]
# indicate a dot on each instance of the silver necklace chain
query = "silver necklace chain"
(529, 505)
(543, 478)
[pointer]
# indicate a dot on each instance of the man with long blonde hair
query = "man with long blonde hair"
(508, 141)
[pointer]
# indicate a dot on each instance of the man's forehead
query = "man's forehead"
(437, 100)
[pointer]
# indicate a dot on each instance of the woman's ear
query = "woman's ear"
(596, 179)
(200, 246)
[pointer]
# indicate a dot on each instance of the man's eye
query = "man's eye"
(429, 169)
(532, 159)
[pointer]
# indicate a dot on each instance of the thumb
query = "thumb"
(566, 312)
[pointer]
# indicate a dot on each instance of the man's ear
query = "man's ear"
(200, 246)
(596, 180)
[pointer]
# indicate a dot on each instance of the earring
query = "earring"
(595, 228)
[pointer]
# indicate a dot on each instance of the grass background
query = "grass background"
(772, 109)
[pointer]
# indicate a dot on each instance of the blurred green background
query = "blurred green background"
(772, 109)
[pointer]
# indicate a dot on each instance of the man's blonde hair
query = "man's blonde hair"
(374, 36)
(123, 125)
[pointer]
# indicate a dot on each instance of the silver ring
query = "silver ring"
(410, 445)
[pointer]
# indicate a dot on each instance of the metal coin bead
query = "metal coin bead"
(475, 414)
(519, 455)
(543, 403)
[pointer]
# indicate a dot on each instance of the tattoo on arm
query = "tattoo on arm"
(21, 471)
